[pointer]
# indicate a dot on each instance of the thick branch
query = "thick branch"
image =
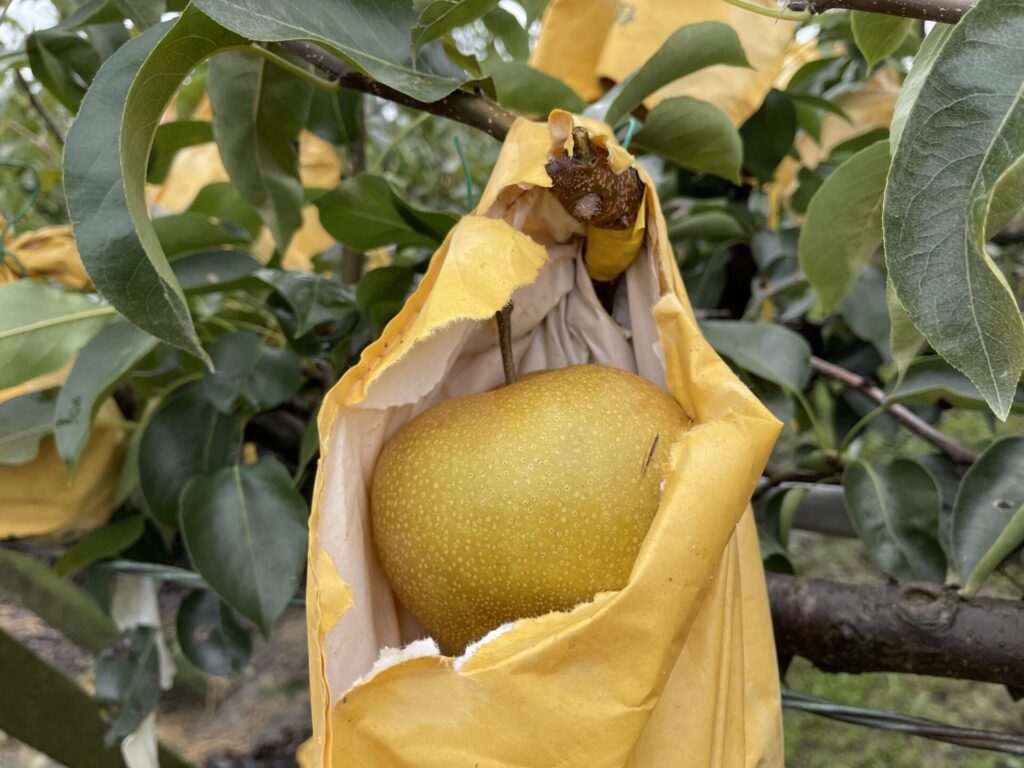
(948, 11)
(901, 413)
(916, 628)
(474, 110)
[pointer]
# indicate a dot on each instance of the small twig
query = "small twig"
(353, 261)
(901, 413)
(769, 482)
(948, 11)
(472, 109)
(780, 14)
(503, 318)
(48, 121)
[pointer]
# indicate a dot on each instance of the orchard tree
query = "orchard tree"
(254, 188)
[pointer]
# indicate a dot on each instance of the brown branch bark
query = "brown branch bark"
(37, 105)
(914, 628)
(948, 11)
(472, 109)
(901, 413)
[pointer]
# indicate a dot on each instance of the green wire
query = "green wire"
(630, 130)
(33, 196)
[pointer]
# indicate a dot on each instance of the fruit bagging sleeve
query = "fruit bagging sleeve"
(677, 668)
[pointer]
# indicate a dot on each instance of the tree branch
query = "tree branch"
(901, 413)
(948, 11)
(47, 118)
(915, 628)
(472, 109)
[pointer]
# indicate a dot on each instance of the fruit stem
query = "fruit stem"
(503, 317)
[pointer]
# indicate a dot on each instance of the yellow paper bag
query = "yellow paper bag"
(591, 43)
(675, 670)
(47, 252)
(43, 498)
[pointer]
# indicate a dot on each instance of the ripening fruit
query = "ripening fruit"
(526, 499)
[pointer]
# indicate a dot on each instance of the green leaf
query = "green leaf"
(256, 508)
(92, 12)
(187, 436)
(768, 135)
(713, 225)
(923, 63)
(384, 285)
(878, 35)
(1007, 198)
(865, 310)
(506, 28)
(334, 117)
(223, 201)
(100, 544)
(687, 50)
(210, 636)
(770, 351)
(930, 379)
(895, 510)
(105, 207)
(258, 111)
(522, 88)
(108, 356)
(988, 516)
(128, 681)
(693, 134)
(438, 17)
(372, 37)
(843, 228)
(170, 138)
(965, 130)
(30, 583)
(34, 692)
(213, 270)
(24, 422)
(64, 63)
(313, 299)
(42, 327)
(309, 448)
(365, 212)
(904, 339)
(143, 13)
(248, 374)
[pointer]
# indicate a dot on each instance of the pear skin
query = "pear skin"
(527, 499)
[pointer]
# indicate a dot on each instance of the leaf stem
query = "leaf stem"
(415, 123)
(782, 14)
(280, 61)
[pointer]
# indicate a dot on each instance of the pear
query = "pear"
(527, 499)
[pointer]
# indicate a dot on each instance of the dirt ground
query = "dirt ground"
(257, 719)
